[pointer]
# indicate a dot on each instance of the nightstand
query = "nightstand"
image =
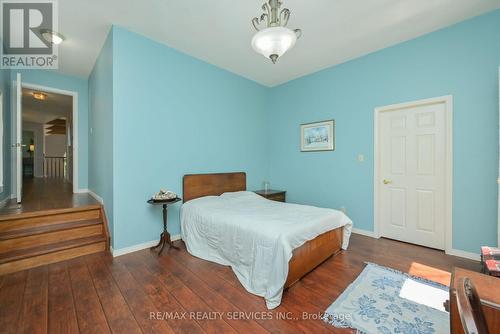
(273, 195)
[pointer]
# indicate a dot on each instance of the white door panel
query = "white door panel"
(412, 169)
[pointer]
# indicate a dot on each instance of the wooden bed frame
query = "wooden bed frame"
(305, 258)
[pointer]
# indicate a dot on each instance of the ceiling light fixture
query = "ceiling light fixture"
(275, 39)
(39, 96)
(52, 36)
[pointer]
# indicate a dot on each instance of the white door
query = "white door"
(17, 95)
(412, 180)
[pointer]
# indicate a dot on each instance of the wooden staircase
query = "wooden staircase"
(37, 238)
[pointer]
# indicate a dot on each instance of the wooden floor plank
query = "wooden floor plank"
(291, 312)
(124, 290)
(11, 300)
(197, 308)
(162, 299)
(90, 315)
(62, 313)
(204, 271)
(209, 296)
(137, 300)
(34, 313)
(120, 318)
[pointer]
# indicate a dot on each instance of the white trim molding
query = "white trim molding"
(91, 193)
(74, 129)
(498, 180)
(448, 102)
(366, 233)
(97, 197)
(138, 247)
(464, 254)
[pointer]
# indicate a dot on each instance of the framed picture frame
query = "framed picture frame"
(317, 136)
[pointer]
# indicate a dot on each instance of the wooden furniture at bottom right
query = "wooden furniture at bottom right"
(488, 289)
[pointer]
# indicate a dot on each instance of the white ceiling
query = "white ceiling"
(219, 31)
(55, 106)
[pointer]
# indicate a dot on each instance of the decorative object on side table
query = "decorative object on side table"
(164, 195)
(165, 199)
(273, 195)
(318, 136)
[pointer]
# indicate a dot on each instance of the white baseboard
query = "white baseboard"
(91, 193)
(454, 252)
(144, 245)
(366, 233)
(464, 254)
(97, 197)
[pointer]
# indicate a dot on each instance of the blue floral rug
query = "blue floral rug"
(384, 300)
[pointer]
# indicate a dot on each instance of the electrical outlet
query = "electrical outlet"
(361, 158)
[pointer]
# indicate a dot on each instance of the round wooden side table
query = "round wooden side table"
(165, 236)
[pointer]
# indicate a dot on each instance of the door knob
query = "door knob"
(386, 181)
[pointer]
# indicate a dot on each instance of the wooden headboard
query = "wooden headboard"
(199, 185)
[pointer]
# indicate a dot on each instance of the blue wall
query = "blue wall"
(101, 126)
(5, 85)
(461, 60)
(60, 81)
(169, 114)
(175, 115)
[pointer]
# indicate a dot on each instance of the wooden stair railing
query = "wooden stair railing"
(29, 240)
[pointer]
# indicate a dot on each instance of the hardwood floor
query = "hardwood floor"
(134, 293)
(47, 194)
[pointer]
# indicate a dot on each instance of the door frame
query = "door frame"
(448, 189)
(74, 95)
(498, 180)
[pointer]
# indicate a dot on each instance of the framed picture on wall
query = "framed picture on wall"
(318, 136)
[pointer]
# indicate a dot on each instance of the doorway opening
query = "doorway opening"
(47, 143)
(47, 135)
(45, 155)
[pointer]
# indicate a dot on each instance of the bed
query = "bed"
(269, 245)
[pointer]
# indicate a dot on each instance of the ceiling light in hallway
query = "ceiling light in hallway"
(39, 96)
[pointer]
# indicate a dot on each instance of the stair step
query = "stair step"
(47, 228)
(48, 258)
(38, 213)
(38, 219)
(21, 254)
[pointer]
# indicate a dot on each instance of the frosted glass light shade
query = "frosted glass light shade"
(274, 42)
(52, 36)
